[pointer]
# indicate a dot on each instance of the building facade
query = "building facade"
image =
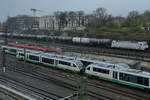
(21, 23)
(53, 23)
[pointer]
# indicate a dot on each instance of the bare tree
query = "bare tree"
(133, 15)
(63, 19)
(57, 17)
(72, 18)
(0, 26)
(81, 18)
(100, 15)
(146, 13)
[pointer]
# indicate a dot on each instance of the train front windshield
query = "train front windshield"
(79, 64)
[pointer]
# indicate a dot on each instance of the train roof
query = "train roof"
(58, 56)
(29, 51)
(67, 58)
(35, 47)
(123, 41)
(92, 60)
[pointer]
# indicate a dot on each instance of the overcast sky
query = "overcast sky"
(114, 7)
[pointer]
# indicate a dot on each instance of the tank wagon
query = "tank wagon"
(63, 39)
(92, 41)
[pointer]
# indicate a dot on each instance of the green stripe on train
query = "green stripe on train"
(120, 82)
(111, 80)
(32, 61)
(53, 66)
(50, 65)
(11, 53)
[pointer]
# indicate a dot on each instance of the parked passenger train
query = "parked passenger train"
(114, 72)
(14, 50)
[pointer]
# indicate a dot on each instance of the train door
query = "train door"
(40, 59)
(149, 82)
(27, 56)
(115, 75)
(56, 62)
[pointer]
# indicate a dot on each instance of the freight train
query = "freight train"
(108, 43)
(115, 72)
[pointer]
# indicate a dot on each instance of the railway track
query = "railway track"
(41, 77)
(26, 88)
(55, 81)
(39, 74)
(102, 86)
(108, 52)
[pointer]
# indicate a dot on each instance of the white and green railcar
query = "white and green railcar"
(10, 50)
(114, 72)
(14, 50)
(53, 61)
(120, 74)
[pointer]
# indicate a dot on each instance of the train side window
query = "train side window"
(33, 57)
(105, 71)
(146, 81)
(21, 54)
(46, 60)
(74, 65)
(101, 70)
(121, 76)
(13, 50)
(134, 79)
(140, 80)
(88, 68)
(64, 63)
(94, 69)
(143, 81)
